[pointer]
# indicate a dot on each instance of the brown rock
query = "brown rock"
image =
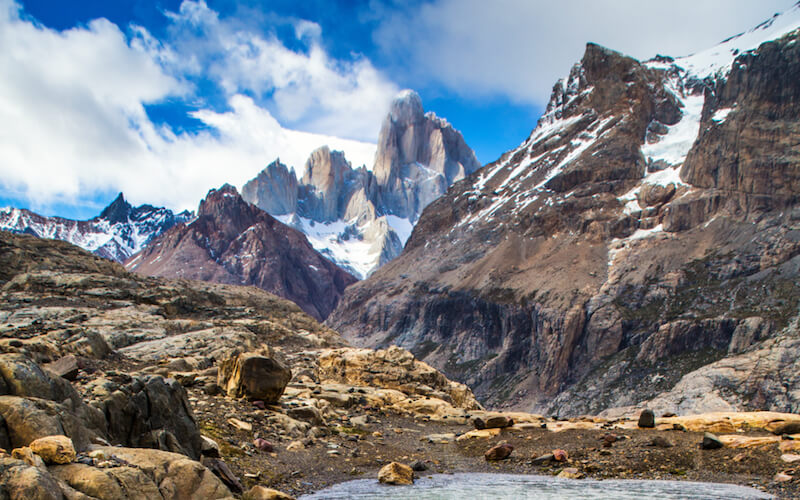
(787, 428)
(66, 367)
(253, 376)
(224, 473)
(499, 422)
(54, 449)
(499, 452)
(570, 473)
(396, 473)
(560, 455)
(19, 480)
(263, 445)
(647, 419)
(710, 442)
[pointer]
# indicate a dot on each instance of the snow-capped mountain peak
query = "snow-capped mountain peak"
(117, 233)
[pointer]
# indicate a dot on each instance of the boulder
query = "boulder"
(54, 449)
(396, 473)
(308, 414)
(647, 419)
(560, 455)
(498, 422)
(253, 376)
(787, 428)
(499, 452)
(27, 419)
(20, 481)
(263, 493)
(174, 475)
(149, 412)
(392, 368)
(710, 442)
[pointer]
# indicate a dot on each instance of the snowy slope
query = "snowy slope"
(115, 238)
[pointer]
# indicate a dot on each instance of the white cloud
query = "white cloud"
(309, 90)
(519, 48)
(73, 122)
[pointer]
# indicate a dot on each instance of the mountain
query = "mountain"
(234, 242)
(642, 246)
(360, 219)
(117, 233)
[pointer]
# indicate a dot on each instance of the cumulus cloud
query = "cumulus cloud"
(519, 48)
(72, 109)
(307, 88)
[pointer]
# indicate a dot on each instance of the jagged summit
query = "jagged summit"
(117, 233)
(406, 108)
(117, 211)
(360, 218)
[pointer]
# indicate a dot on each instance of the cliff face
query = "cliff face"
(360, 219)
(233, 242)
(421, 148)
(648, 227)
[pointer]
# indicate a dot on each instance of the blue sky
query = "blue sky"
(166, 99)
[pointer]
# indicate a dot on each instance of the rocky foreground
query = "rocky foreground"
(115, 386)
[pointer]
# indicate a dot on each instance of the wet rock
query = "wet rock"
(499, 452)
(710, 442)
(396, 473)
(254, 376)
(263, 493)
(54, 449)
(647, 419)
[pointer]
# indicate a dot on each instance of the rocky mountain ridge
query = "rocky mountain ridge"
(639, 243)
(117, 233)
(233, 242)
(361, 218)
